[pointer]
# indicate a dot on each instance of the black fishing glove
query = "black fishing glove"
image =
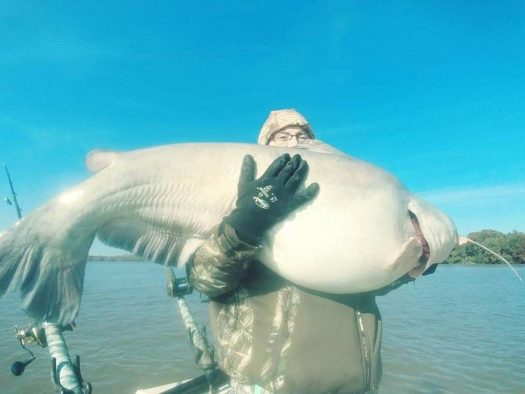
(262, 203)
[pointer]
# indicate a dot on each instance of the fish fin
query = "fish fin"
(318, 146)
(408, 257)
(50, 279)
(145, 239)
(431, 269)
(98, 159)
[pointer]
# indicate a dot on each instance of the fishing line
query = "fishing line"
(464, 240)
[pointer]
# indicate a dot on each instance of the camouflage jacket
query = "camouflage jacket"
(282, 337)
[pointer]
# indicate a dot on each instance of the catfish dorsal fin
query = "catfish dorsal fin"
(98, 159)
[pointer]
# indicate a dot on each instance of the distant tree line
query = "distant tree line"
(122, 257)
(511, 246)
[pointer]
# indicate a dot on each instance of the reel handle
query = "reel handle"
(18, 367)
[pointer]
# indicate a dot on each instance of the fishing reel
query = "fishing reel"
(31, 334)
(26, 336)
(179, 287)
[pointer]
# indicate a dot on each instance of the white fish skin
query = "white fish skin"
(163, 202)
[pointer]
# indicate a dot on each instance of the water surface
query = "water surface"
(461, 330)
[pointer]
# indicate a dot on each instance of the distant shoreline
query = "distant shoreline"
(119, 258)
(130, 258)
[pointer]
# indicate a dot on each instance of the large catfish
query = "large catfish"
(162, 203)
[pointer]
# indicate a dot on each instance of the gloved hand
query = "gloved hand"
(263, 202)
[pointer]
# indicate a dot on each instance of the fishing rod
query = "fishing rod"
(204, 352)
(13, 194)
(66, 374)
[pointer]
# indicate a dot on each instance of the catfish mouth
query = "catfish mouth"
(425, 255)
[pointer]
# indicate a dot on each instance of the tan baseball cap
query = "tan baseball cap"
(280, 120)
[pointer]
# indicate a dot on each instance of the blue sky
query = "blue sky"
(432, 91)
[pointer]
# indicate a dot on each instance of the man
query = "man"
(272, 335)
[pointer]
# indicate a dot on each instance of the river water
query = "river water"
(460, 330)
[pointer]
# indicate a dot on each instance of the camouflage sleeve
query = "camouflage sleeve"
(219, 264)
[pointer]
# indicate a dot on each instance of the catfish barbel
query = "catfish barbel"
(161, 203)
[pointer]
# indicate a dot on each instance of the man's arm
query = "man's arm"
(219, 264)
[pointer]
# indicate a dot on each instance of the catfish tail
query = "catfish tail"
(47, 268)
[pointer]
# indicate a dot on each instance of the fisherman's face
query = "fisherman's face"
(289, 137)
